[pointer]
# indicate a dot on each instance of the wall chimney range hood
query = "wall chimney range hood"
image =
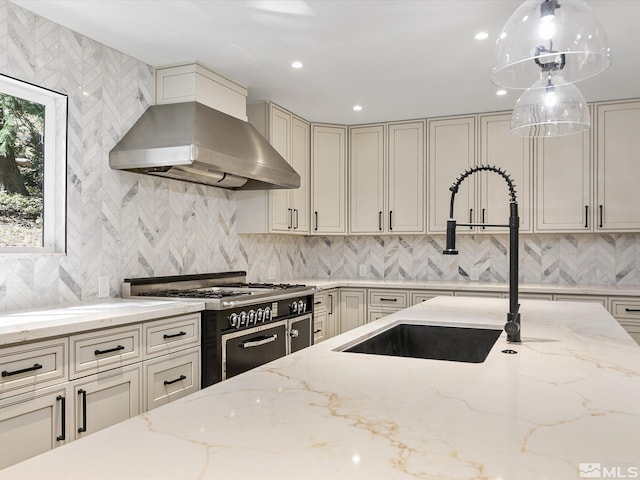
(197, 133)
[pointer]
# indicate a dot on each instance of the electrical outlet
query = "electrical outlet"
(475, 273)
(271, 274)
(103, 287)
(364, 270)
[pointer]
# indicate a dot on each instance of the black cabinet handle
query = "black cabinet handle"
(290, 221)
(317, 331)
(632, 309)
(179, 379)
(601, 215)
(380, 220)
(388, 299)
(315, 214)
(36, 366)
(390, 220)
(330, 304)
(181, 334)
(483, 227)
(110, 350)
(297, 219)
(63, 415)
(471, 217)
(586, 216)
(83, 428)
(317, 303)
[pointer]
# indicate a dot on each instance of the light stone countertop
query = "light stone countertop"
(568, 397)
(64, 320)
(328, 283)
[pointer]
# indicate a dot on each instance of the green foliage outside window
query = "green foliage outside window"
(21, 172)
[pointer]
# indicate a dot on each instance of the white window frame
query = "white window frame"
(55, 163)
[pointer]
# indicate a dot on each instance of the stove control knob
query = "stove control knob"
(260, 316)
(252, 317)
(302, 306)
(294, 307)
(243, 319)
(233, 319)
(267, 314)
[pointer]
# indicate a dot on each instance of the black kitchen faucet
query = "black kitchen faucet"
(512, 327)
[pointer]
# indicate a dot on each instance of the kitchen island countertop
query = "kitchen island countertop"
(568, 397)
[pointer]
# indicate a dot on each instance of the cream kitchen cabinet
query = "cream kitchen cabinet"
(353, 308)
(329, 174)
(452, 150)
(419, 296)
(383, 302)
(325, 315)
(564, 184)
(499, 147)
(387, 178)
(279, 210)
(618, 166)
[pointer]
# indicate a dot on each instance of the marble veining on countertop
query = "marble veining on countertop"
(568, 397)
(30, 325)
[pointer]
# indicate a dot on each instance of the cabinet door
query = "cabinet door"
(563, 184)
(105, 399)
(328, 164)
(170, 377)
(499, 147)
(406, 180)
(300, 161)
(353, 311)
(319, 325)
(333, 313)
(366, 179)
(280, 138)
(618, 166)
(452, 149)
(32, 423)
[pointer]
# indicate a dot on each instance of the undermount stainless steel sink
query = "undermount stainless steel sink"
(437, 342)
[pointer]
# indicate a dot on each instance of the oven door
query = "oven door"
(301, 332)
(250, 348)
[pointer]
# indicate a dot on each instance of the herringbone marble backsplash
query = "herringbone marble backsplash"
(127, 225)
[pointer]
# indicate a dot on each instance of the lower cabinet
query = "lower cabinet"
(385, 302)
(167, 379)
(353, 308)
(325, 315)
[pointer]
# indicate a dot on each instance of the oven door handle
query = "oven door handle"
(257, 341)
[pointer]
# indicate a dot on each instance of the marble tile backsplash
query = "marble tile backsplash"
(123, 225)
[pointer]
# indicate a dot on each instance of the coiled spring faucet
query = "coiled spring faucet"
(512, 327)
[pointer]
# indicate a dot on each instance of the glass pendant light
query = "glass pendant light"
(550, 108)
(559, 35)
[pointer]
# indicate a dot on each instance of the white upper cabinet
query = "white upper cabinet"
(366, 179)
(452, 149)
(329, 173)
(279, 210)
(406, 177)
(563, 184)
(499, 147)
(618, 166)
(386, 178)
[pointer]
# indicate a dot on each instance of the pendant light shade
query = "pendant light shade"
(550, 35)
(550, 108)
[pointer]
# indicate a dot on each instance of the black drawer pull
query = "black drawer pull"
(83, 428)
(63, 415)
(388, 299)
(174, 335)
(626, 310)
(36, 366)
(317, 331)
(317, 303)
(179, 379)
(114, 349)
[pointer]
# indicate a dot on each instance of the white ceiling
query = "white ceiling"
(399, 59)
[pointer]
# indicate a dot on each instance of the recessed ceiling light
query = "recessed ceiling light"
(357, 108)
(481, 36)
(501, 92)
(296, 64)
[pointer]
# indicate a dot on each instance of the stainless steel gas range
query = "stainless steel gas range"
(244, 325)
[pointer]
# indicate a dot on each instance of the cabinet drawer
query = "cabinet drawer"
(420, 296)
(103, 350)
(625, 308)
(633, 329)
(581, 298)
(171, 377)
(25, 367)
(319, 328)
(171, 334)
(395, 299)
(320, 300)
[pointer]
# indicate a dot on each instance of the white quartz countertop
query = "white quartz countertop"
(583, 289)
(568, 397)
(38, 324)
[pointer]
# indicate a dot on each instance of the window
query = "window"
(33, 135)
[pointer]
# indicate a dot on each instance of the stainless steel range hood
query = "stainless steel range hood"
(193, 142)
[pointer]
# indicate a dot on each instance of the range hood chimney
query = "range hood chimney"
(186, 137)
